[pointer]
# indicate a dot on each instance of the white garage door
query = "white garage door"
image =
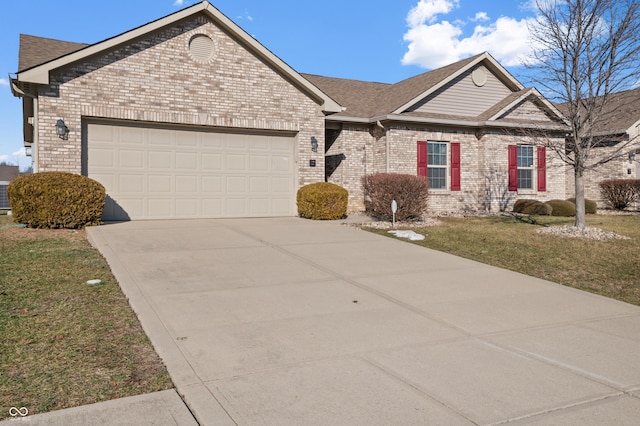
(157, 173)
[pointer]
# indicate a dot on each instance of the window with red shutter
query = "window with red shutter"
(513, 168)
(455, 166)
(542, 169)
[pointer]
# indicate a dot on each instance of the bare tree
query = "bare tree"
(585, 51)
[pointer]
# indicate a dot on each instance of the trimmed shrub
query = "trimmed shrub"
(538, 209)
(522, 204)
(620, 193)
(56, 200)
(562, 208)
(322, 201)
(590, 206)
(410, 192)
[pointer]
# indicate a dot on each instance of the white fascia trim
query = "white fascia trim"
(442, 122)
(40, 74)
(484, 57)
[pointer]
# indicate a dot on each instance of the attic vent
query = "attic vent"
(479, 76)
(201, 48)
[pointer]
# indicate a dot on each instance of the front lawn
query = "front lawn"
(610, 268)
(63, 342)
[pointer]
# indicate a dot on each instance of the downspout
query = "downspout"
(386, 143)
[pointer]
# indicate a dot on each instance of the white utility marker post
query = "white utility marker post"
(394, 209)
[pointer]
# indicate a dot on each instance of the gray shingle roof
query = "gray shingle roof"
(619, 114)
(39, 50)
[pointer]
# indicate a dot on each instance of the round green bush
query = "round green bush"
(56, 200)
(538, 209)
(322, 201)
(590, 206)
(522, 204)
(562, 208)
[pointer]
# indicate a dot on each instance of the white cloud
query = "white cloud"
(178, 2)
(480, 17)
(17, 158)
(437, 42)
(427, 10)
(4, 82)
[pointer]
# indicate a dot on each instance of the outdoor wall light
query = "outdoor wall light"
(314, 144)
(632, 157)
(62, 130)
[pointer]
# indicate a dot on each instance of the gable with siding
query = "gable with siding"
(527, 111)
(470, 94)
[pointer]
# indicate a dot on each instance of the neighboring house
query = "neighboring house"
(189, 116)
(7, 174)
(618, 133)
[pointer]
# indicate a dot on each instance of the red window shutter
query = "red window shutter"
(422, 159)
(513, 168)
(455, 166)
(542, 169)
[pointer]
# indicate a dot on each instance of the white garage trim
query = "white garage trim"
(153, 172)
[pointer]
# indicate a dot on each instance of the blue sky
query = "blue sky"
(372, 40)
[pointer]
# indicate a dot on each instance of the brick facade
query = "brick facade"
(484, 165)
(155, 80)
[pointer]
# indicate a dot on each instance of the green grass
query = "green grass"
(65, 343)
(610, 268)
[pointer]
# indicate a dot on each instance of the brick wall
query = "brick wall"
(619, 168)
(484, 165)
(154, 79)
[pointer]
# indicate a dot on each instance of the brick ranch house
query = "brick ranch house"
(618, 134)
(189, 116)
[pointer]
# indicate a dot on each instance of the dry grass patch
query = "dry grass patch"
(66, 343)
(610, 268)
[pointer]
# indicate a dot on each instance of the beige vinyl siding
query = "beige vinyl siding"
(526, 111)
(462, 97)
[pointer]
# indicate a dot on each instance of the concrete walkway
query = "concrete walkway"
(288, 321)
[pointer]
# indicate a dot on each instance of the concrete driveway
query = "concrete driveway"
(289, 321)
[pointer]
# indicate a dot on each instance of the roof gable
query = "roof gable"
(39, 74)
(419, 88)
(470, 94)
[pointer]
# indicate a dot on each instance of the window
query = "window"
(439, 163)
(527, 168)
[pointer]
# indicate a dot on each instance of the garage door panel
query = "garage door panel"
(212, 207)
(281, 164)
(159, 208)
(132, 159)
(131, 135)
(187, 139)
(259, 163)
(102, 158)
(156, 173)
(259, 185)
(281, 185)
(159, 184)
(160, 137)
(186, 184)
(236, 162)
(236, 184)
(131, 183)
(187, 207)
(159, 159)
(212, 184)
(186, 160)
(212, 162)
